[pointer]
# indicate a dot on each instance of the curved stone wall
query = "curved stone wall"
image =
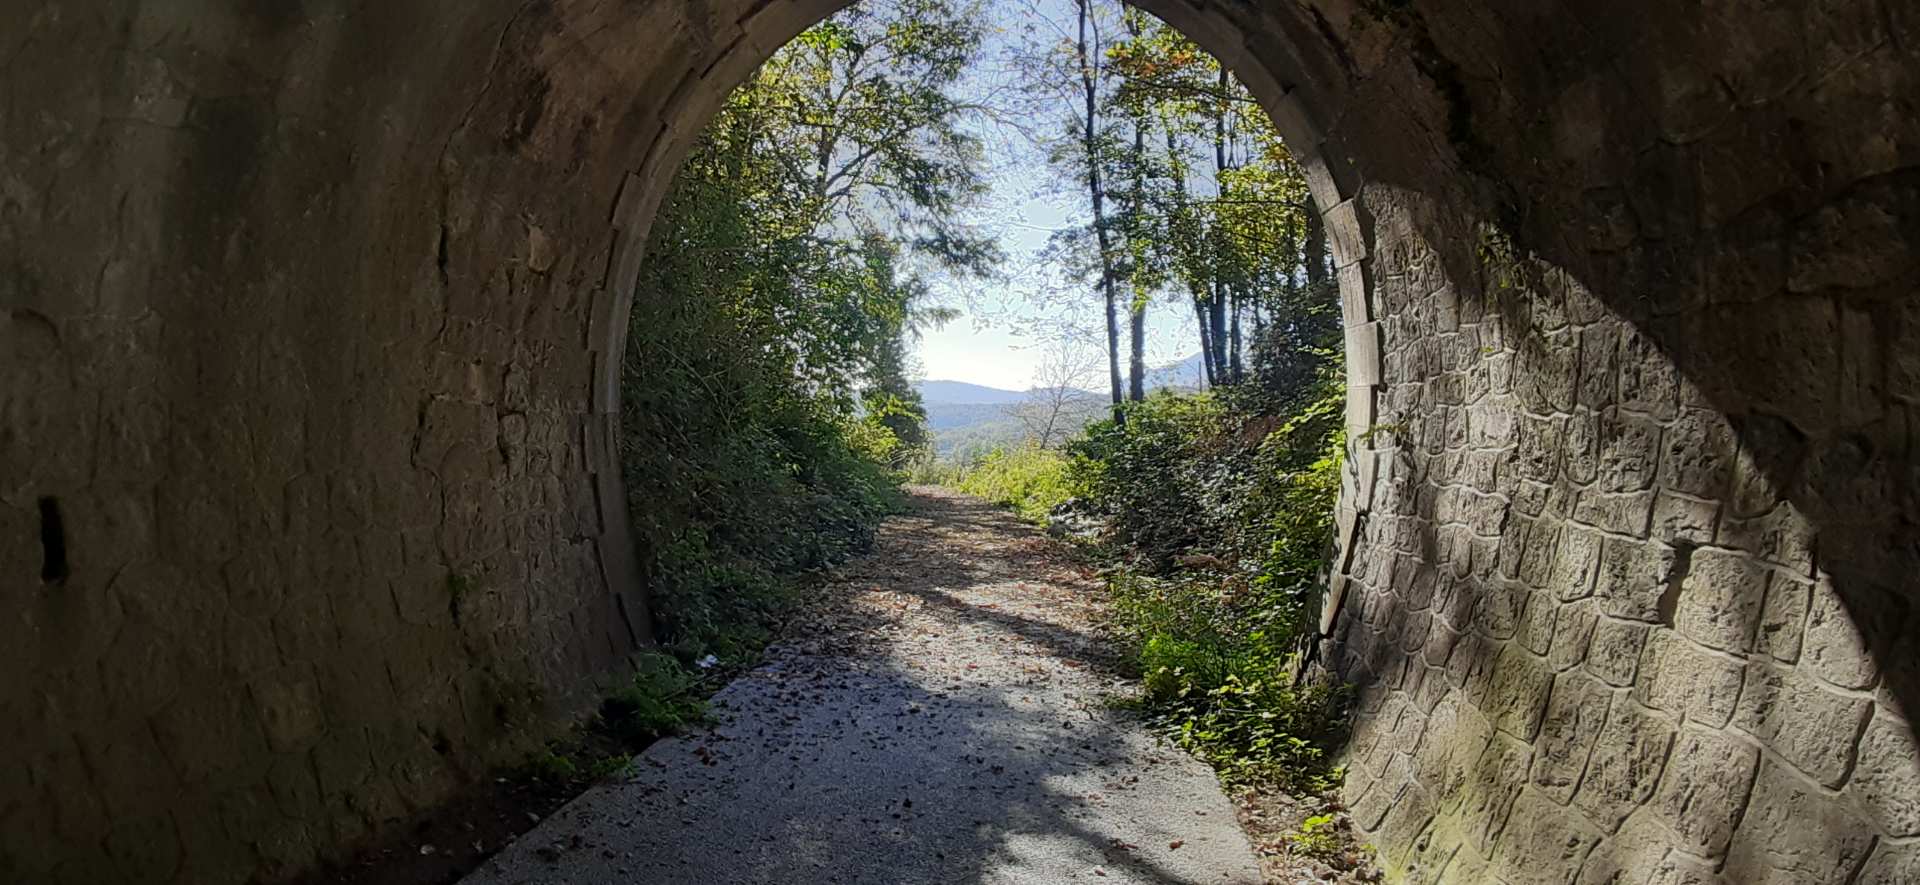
(309, 500)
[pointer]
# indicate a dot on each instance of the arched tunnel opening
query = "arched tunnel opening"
(309, 317)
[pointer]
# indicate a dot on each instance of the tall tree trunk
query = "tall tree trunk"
(1137, 362)
(1218, 308)
(1137, 305)
(1184, 209)
(1206, 336)
(1239, 304)
(1217, 321)
(1089, 143)
(1316, 248)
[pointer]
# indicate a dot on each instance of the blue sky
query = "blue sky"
(1009, 325)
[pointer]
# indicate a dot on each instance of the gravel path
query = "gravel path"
(940, 716)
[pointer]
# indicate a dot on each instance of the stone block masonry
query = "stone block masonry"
(1670, 682)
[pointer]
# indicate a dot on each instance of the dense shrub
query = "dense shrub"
(1221, 515)
(1030, 480)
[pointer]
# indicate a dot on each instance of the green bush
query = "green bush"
(1222, 516)
(1031, 481)
(661, 697)
(1159, 476)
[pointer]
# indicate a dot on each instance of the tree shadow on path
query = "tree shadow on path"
(943, 717)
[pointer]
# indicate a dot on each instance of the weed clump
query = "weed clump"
(662, 697)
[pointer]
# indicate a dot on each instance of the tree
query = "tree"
(765, 385)
(1246, 247)
(1088, 54)
(1058, 405)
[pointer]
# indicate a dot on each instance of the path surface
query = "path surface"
(940, 717)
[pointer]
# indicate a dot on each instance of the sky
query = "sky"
(1010, 326)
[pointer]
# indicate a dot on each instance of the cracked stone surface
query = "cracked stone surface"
(942, 716)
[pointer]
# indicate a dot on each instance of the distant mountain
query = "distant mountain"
(947, 392)
(964, 416)
(953, 416)
(1187, 374)
(973, 417)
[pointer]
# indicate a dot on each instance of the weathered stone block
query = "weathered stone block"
(1844, 244)
(1678, 519)
(1574, 716)
(1572, 634)
(1632, 578)
(1371, 806)
(1485, 802)
(1624, 513)
(1405, 821)
(1614, 653)
(1862, 395)
(1497, 614)
(1697, 454)
(1536, 452)
(1891, 865)
(1887, 776)
(208, 735)
(1835, 649)
(1783, 620)
(1542, 844)
(141, 671)
(1535, 629)
(1539, 557)
(1903, 356)
(1649, 382)
(1597, 387)
(145, 847)
(1720, 600)
(1808, 725)
(1686, 680)
(1432, 686)
(1625, 764)
(1781, 536)
(1704, 790)
(1439, 644)
(1428, 855)
(1518, 691)
(1467, 867)
(1793, 833)
(1629, 452)
(130, 758)
(1575, 564)
(1455, 737)
(1641, 854)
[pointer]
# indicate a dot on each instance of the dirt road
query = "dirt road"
(942, 715)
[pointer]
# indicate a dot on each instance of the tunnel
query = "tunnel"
(311, 317)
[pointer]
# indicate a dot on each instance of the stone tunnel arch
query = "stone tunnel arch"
(312, 318)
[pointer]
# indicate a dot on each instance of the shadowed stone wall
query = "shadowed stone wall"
(1628, 580)
(309, 499)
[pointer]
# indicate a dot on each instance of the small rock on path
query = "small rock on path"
(941, 715)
